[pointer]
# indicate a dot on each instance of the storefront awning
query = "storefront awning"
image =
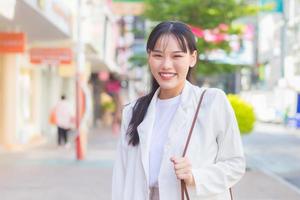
(37, 24)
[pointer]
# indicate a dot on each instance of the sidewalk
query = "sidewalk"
(274, 128)
(257, 185)
(51, 173)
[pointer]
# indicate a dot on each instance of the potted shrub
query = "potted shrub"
(108, 107)
(244, 113)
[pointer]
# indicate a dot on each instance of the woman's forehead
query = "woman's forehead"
(166, 42)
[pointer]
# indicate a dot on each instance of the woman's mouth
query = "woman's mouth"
(167, 75)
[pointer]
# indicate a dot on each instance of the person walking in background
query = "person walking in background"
(64, 120)
(150, 162)
(113, 88)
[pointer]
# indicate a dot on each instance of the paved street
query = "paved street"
(276, 149)
(48, 173)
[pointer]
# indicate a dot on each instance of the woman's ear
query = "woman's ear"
(194, 58)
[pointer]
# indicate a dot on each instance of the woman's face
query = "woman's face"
(169, 65)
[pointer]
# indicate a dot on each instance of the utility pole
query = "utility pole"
(79, 69)
(283, 39)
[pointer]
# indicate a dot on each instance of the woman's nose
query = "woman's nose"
(167, 63)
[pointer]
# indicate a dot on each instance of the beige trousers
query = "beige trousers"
(154, 193)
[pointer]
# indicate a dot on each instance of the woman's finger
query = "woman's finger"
(183, 171)
(182, 165)
(184, 176)
(177, 159)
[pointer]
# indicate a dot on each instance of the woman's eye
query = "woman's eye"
(177, 56)
(157, 55)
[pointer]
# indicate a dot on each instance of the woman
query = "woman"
(154, 130)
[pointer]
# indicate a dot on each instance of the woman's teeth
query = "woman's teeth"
(167, 75)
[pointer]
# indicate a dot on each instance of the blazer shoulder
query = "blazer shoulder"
(128, 107)
(211, 95)
(197, 89)
(216, 92)
(219, 99)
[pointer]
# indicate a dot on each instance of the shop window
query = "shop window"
(25, 95)
(297, 69)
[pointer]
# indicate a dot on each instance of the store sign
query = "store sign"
(275, 5)
(12, 42)
(62, 13)
(51, 55)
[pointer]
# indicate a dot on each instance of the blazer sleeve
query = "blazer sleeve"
(119, 172)
(229, 166)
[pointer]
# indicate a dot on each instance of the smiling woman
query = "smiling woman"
(155, 128)
(169, 64)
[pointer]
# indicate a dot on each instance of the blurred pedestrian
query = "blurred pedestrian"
(154, 131)
(113, 88)
(64, 120)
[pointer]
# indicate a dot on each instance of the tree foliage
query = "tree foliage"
(138, 60)
(205, 14)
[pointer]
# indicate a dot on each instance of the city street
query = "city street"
(74, 64)
(276, 149)
(48, 172)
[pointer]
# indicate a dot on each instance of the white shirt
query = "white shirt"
(63, 113)
(165, 110)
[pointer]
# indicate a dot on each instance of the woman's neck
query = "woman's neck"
(170, 93)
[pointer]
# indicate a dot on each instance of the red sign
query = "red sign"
(12, 42)
(51, 55)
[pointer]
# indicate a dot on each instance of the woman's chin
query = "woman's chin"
(167, 85)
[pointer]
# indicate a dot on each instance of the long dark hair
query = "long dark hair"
(186, 40)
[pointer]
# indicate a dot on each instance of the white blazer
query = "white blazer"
(215, 150)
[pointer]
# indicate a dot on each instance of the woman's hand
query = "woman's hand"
(183, 170)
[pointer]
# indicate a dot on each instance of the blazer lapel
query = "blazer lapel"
(145, 130)
(179, 118)
(183, 116)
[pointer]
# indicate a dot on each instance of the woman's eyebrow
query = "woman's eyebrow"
(178, 51)
(159, 51)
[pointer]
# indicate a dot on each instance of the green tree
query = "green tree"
(205, 14)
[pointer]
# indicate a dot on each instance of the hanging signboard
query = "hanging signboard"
(51, 55)
(12, 42)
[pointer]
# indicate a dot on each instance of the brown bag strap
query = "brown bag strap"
(184, 190)
(193, 124)
(183, 185)
(231, 195)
